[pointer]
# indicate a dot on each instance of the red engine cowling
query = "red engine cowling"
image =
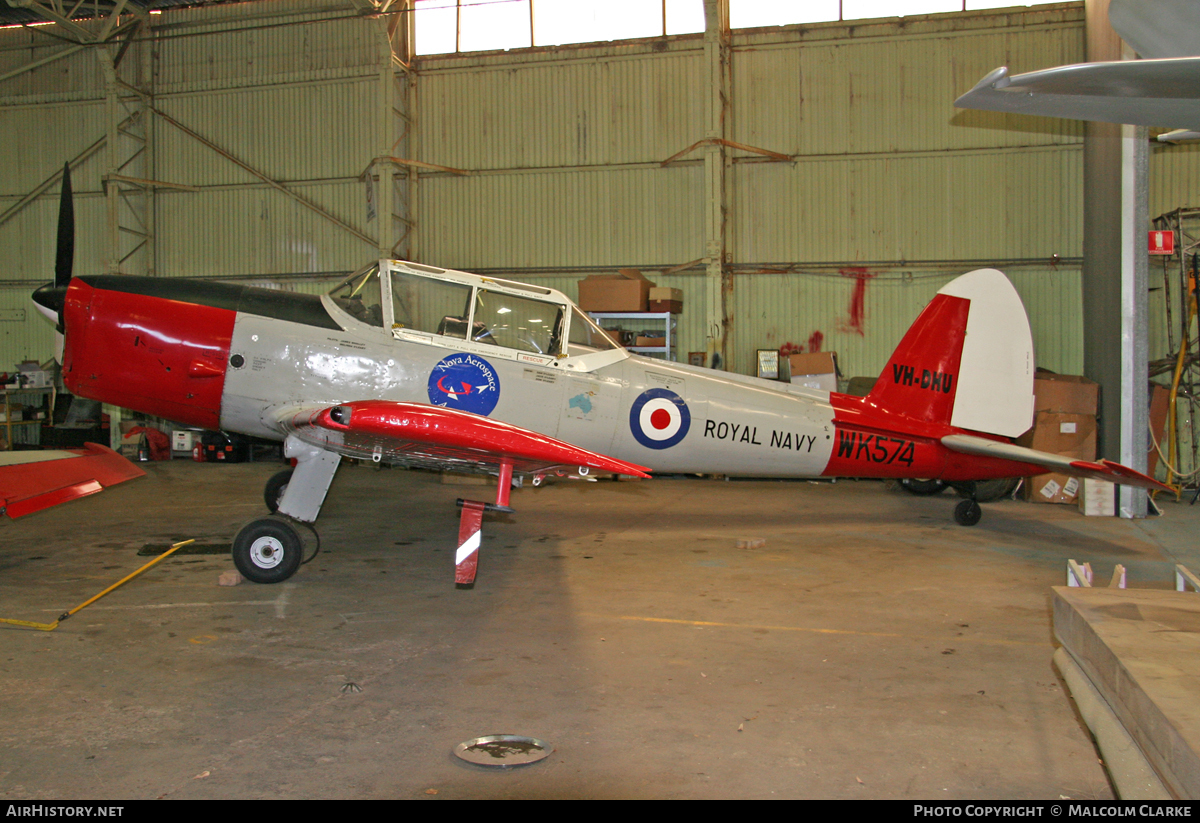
(146, 352)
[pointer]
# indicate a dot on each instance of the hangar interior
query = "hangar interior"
(807, 187)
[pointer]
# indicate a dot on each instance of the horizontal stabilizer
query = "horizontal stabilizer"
(1096, 470)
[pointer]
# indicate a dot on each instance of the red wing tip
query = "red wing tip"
(54, 497)
(631, 469)
(1121, 474)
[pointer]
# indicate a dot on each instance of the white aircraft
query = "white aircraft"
(413, 365)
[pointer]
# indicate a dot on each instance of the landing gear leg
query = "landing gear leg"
(269, 549)
(967, 512)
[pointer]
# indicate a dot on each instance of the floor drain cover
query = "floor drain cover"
(503, 750)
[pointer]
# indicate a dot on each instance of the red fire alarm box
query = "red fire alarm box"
(1162, 242)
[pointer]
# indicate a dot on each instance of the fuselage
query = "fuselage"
(215, 355)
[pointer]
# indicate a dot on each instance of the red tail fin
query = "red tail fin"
(967, 361)
(921, 378)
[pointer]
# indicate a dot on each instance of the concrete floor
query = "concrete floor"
(870, 649)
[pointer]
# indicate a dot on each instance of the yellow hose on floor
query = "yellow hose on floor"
(49, 627)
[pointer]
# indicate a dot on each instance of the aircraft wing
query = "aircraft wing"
(34, 480)
(1158, 28)
(1097, 470)
(1163, 92)
(426, 436)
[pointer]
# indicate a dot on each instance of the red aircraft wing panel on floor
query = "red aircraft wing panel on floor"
(32, 481)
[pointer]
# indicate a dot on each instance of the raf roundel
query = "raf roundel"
(659, 419)
(465, 382)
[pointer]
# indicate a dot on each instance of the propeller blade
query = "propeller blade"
(64, 260)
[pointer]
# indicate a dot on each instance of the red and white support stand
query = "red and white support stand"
(466, 559)
(470, 527)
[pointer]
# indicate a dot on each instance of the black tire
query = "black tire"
(276, 486)
(988, 490)
(922, 488)
(967, 513)
(267, 550)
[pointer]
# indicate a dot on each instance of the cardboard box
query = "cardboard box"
(131, 443)
(1051, 488)
(1069, 435)
(650, 341)
(816, 371)
(1098, 498)
(627, 290)
(31, 375)
(1072, 435)
(1065, 393)
(34, 379)
(822, 362)
(666, 299)
(184, 441)
(672, 306)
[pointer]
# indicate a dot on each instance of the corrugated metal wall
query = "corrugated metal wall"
(892, 191)
(887, 176)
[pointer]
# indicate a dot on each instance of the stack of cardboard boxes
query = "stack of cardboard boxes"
(1065, 424)
(627, 291)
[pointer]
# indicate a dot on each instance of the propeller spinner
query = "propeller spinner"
(50, 297)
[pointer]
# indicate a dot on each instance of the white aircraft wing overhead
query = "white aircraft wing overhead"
(1158, 28)
(1097, 469)
(1161, 93)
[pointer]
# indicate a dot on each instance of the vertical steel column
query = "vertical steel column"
(129, 169)
(718, 285)
(406, 43)
(1135, 355)
(112, 108)
(385, 202)
(146, 59)
(1115, 219)
(397, 183)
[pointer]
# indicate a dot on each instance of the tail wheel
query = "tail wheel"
(267, 550)
(967, 513)
(276, 486)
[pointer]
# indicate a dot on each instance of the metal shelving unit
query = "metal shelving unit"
(9, 423)
(645, 321)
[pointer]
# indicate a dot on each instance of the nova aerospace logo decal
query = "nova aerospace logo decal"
(659, 419)
(466, 382)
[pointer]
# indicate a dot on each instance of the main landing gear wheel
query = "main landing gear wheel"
(268, 550)
(276, 486)
(967, 513)
(922, 488)
(988, 490)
